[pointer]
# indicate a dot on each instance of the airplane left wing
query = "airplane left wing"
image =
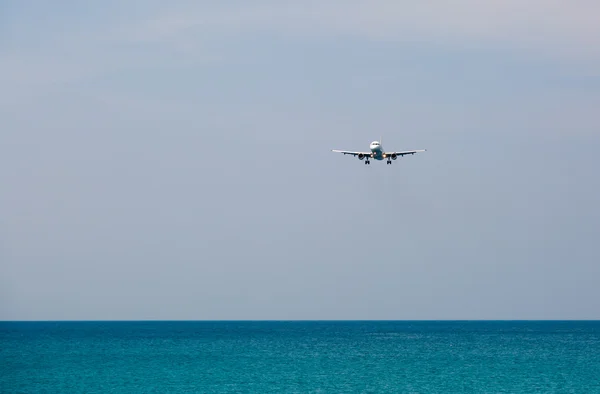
(407, 152)
(345, 152)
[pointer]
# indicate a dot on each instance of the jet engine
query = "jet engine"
(394, 156)
(361, 156)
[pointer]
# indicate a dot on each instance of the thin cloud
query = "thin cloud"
(566, 32)
(560, 29)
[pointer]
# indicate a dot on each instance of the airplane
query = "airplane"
(378, 153)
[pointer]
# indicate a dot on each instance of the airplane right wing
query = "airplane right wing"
(345, 152)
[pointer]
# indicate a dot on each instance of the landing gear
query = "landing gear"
(367, 162)
(389, 161)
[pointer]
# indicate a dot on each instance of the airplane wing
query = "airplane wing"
(406, 152)
(345, 152)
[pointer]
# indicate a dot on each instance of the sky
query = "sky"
(172, 160)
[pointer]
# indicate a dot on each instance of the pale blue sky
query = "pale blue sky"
(171, 160)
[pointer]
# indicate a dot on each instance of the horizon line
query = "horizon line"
(293, 320)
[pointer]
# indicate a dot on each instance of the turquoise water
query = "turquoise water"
(299, 357)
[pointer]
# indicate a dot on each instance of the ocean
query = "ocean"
(300, 357)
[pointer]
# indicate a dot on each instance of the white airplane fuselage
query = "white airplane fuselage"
(377, 151)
